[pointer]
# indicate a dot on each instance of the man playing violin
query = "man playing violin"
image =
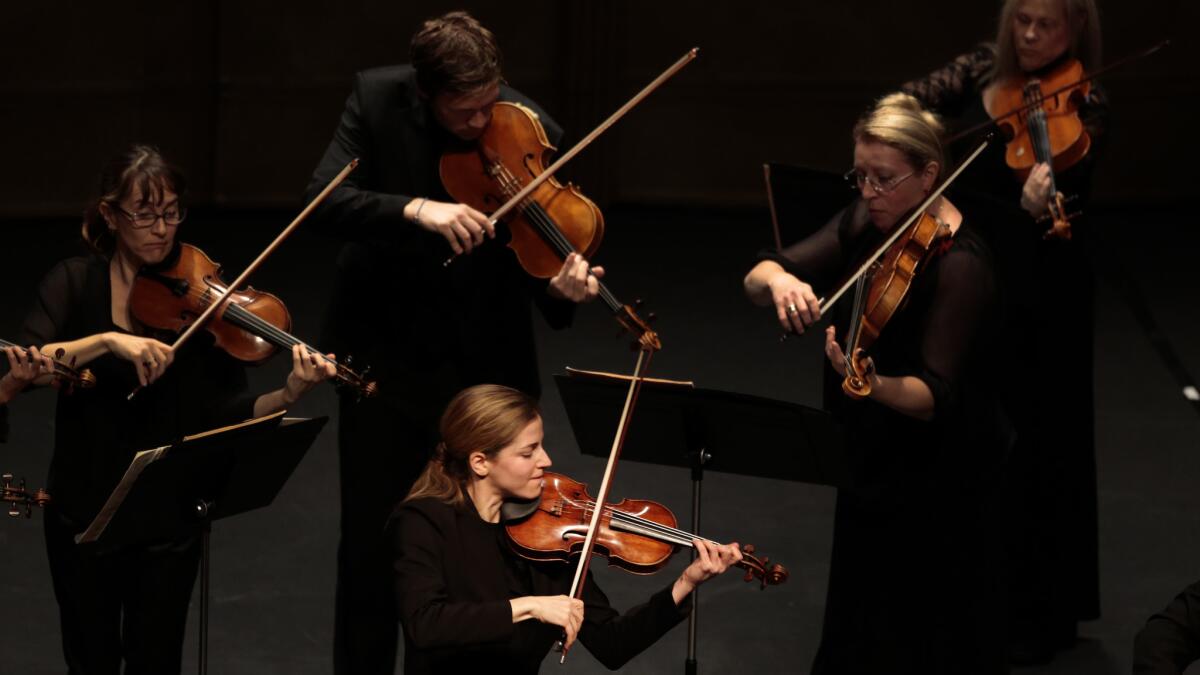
(426, 329)
(467, 602)
(1048, 289)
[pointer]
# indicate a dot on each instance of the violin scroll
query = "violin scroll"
(761, 569)
(644, 336)
(18, 497)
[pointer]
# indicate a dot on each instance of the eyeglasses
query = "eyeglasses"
(144, 219)
(859, 179)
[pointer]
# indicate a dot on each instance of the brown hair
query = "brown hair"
(1083, 20)
(900, 121)
(454, 53)
(483, 418)
(140, 166)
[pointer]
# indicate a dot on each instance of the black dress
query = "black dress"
(1048, 290)
(126, 604)
(455, 575)
(427, 331)
(911, 586)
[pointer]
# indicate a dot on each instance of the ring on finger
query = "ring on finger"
(791, 308)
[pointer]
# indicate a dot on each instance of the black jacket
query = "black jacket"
(455, 575)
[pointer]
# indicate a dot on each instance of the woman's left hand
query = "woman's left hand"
(711, 559)
(308, 370)
(833, 351)
(576, 280)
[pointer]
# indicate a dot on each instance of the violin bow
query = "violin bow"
(237, 283)
(635, 387)
(897, 232)
(1086, 78)
(516, 199)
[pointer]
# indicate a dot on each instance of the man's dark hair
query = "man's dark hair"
(454, 53)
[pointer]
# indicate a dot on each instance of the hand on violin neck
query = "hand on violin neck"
(576, 280)
(463, 227)
(837, 358)
(711, 560)
(1035, 195)
(308, 370)
(24, 366)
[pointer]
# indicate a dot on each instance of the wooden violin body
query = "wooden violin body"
(512, 151)
(554, 221)
(886, 294)
(1048, 130)
(172, 298)
(636, 535)
(251, 326)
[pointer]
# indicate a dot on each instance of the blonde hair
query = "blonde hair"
(1083, 20)
(899, 120)
(483, 418)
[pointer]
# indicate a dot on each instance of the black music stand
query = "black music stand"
(802, 199)
(179, 489)
(678, 424)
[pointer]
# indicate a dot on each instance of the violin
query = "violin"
(635, 535)
(887, 293)
(554, 221)
(64, 375)
(251, 327)
(18, 497)
(1046, 130)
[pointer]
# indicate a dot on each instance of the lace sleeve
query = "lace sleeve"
(947, 89)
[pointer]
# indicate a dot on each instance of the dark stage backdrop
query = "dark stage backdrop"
(246, 94)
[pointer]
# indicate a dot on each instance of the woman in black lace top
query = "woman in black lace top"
(1047, 286)
(910, 588)
(129, 604)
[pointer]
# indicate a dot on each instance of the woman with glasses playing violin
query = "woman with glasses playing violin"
(1047, 288)
(910, 585)
(130, 604)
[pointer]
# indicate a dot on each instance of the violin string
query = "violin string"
(545, 224)
(587, 507)
(244, 318)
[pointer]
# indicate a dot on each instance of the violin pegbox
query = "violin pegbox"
(762, 569)
(645, 337)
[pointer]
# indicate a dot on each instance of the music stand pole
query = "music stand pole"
(202, 509)
(699, 458)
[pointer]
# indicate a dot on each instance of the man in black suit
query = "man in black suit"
(427, 330)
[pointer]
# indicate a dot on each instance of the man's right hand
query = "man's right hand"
(463, 227)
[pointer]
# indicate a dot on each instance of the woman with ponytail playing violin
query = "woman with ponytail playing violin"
(467, 602)
(1046, 282)
(130, 604)
(910, 585)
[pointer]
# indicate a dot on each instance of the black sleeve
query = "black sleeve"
(47, 319)
(819, 258)
(559, 313)
(964, 292)
(429, 617)
(352, 210)
(615, 638)
(947, 90)
(3, 424)
(1170, 640)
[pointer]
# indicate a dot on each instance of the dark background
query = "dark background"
(246, 95)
